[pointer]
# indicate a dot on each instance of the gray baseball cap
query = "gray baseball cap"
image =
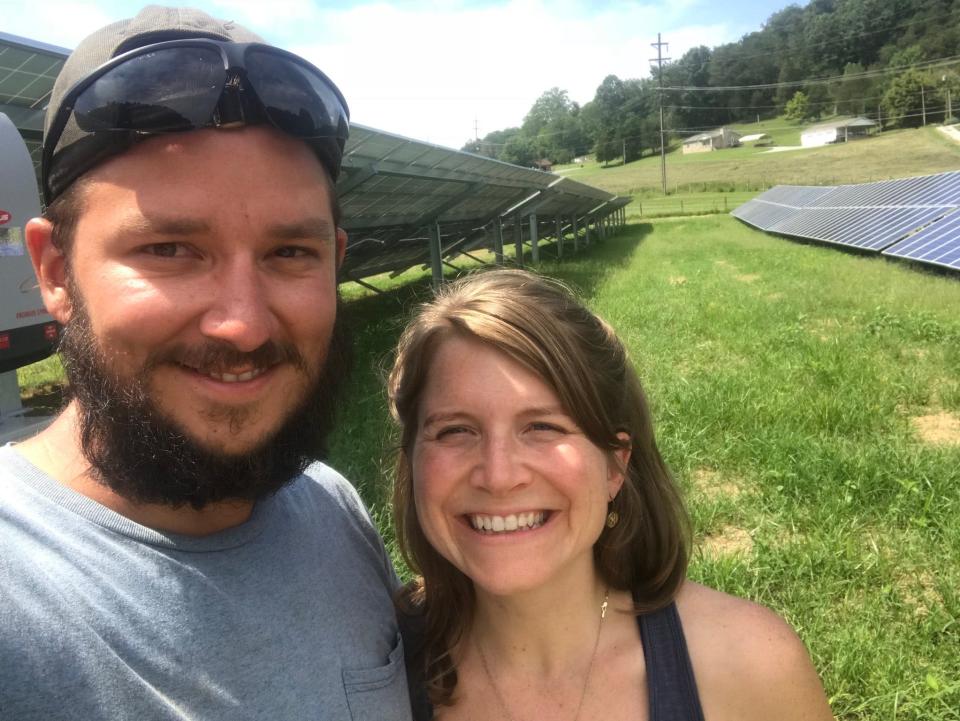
(77, 151)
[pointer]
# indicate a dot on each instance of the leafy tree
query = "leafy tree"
(551, 107)
(903, 100)
(851, 95)
(519, 150)
(798, 108)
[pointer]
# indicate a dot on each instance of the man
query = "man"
(165, 552)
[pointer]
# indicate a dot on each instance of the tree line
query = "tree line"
(896, 61)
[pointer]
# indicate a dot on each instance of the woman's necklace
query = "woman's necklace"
(586, 679)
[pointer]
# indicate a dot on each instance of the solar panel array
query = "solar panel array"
(404, 202)
(913, 218)
(396, 193)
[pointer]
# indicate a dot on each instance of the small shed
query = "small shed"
(838, 131)
(543, 164)
(712, 140)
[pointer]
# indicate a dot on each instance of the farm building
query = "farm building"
(712, 140)
(838, 131)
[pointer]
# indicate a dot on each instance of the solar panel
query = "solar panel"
(936, 244)
(907, 217)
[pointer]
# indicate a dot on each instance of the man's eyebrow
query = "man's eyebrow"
(159, 225)
(308, 228)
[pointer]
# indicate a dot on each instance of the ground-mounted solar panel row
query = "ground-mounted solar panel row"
(407, 203)
(912, 218)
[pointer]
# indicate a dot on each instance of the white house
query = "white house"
(712, 140)
(838, 131)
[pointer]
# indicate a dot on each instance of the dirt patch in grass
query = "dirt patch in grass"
(728, 541)
(748, 277)
(677, 280)
(942, 429)
(712, 485)
(919, 591)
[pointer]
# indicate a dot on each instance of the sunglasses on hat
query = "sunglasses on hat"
(181, 85)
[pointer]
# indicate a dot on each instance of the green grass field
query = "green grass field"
(808, 401)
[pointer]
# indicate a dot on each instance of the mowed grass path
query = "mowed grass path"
(789, 386)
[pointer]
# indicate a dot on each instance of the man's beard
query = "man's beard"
(143, 456)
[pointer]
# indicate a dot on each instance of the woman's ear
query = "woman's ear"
(50, 266)
(620, 458)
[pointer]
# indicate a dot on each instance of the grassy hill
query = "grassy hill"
(891, 154)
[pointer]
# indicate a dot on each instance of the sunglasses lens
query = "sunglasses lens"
(161, 91)
(296, 99)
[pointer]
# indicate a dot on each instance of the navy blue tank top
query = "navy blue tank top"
(671, 686)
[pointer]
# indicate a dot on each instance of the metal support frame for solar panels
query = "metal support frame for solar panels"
(498, 241)
(534, 239)
(559, 223)
(436, 257)
(518, 238)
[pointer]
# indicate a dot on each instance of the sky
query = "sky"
(442, 71)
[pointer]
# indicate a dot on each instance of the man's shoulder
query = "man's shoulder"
(319, 478)
(330, 492)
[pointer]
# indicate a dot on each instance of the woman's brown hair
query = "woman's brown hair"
(538, 322)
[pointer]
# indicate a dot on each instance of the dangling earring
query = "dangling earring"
(613, 518)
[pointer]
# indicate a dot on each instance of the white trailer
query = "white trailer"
(27, 332)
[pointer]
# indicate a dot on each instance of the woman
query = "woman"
(550, 539)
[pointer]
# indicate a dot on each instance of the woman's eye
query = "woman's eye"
(451, 432)
(546, 427)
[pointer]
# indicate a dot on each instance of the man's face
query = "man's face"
(206, 265)
(200, 340)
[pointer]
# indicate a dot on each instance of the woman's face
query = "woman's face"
(507, 487)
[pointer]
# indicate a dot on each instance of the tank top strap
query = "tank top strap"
(671, 685)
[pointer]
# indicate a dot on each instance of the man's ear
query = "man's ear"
(50, 266)
(341, 246)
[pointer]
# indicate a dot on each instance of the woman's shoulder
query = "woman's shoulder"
(748, 662)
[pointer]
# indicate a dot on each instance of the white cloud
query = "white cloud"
(429, 73)
(59, 22)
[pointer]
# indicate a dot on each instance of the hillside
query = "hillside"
(891, 154)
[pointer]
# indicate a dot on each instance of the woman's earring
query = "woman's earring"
(613, 518)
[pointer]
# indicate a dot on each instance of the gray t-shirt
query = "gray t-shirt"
(287, 616)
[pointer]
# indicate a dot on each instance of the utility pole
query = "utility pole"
(949, 114)
(663, 151)
(923, 105)
(624, 152)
